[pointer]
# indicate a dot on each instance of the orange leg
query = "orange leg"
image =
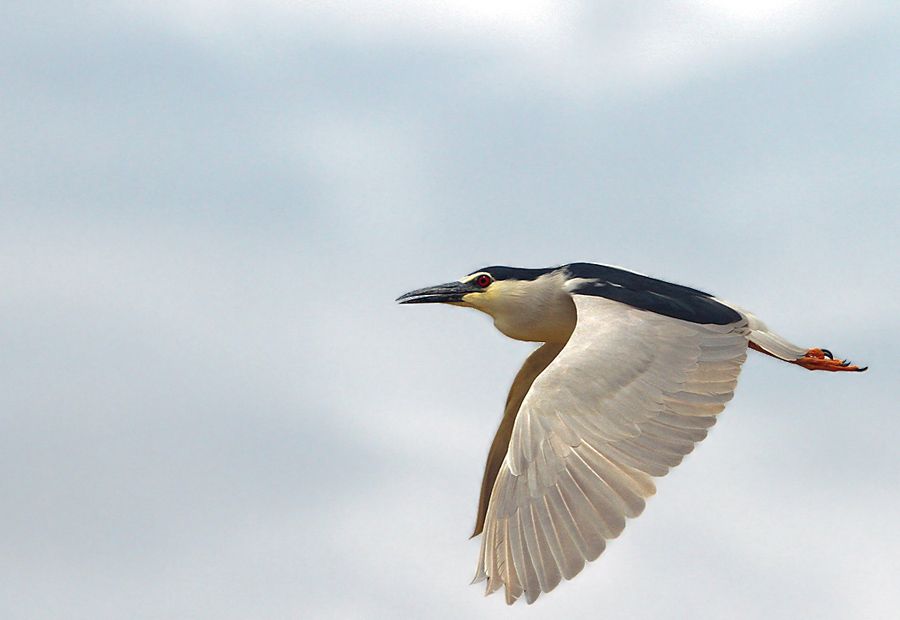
(821, 359)
(817, 359)
(756, 347)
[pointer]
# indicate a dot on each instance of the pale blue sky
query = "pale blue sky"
(210, 405)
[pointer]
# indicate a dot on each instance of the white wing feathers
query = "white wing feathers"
(626, 399)
(766, 339)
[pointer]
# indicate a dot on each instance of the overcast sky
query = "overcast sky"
(210, 406)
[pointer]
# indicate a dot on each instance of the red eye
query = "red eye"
(483, 280)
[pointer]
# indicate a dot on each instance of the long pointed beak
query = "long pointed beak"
(451, 292)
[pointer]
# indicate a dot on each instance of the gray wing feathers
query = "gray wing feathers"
(629, 395)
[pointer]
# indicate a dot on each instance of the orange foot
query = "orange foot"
(822, 359)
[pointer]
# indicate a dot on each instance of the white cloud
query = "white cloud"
(372, 22)
(585, 48)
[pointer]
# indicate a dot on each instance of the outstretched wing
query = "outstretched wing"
(625, 400)
(533, 366)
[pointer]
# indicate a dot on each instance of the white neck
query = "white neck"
(538, 310)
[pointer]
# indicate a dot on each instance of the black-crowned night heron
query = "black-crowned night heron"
(631, 375)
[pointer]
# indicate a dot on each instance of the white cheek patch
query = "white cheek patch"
(479, 301)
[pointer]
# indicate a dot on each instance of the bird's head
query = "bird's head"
(526, 304)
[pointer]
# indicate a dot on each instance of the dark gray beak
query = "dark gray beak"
(451, 292)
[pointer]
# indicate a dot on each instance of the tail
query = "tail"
(764, 340)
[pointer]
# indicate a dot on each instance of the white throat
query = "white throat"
(539, 310)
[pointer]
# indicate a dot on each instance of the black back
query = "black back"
(644, 292)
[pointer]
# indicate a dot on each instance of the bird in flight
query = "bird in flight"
(630, 376)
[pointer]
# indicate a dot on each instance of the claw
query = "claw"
(823, 359)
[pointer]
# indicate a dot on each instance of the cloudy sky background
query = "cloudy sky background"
(210, 406)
